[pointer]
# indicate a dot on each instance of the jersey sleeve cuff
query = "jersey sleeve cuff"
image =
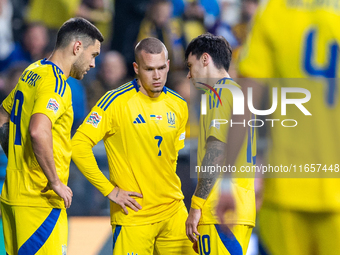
(107, 189)
(197, 202)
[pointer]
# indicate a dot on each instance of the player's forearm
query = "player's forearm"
(4, 129)
(83, 157)
(214, 156)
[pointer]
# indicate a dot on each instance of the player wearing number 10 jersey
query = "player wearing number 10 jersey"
(142, 124)
(39, 115)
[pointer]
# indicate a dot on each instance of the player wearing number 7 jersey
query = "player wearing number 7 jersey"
(142, 124)
(35, 125)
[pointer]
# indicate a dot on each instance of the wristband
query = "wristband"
(197, 202)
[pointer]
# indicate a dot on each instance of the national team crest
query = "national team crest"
(53, 105)
(94, 119)
(171, 118)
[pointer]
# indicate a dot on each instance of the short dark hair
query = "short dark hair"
(150, 45)
(78, 28)
(216, 46)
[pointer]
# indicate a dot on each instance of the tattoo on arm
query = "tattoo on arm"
(4, 137)
(117, 192)
(214, 155)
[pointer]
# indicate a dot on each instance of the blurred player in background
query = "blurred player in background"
(35, 133)
(142, 124)
(299, 39)
(208, 59)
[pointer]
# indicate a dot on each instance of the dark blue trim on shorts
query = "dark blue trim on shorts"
(229, 241)
(40, 236)
(116, 234)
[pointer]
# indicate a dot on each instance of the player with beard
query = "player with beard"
(35, 133)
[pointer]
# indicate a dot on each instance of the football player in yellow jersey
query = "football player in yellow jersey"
(299, 39)
(142, 124)
(35, 124)
(208, 59)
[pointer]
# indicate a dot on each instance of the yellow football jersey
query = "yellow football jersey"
(242, 188)
(309, 50)
(142, 137)
(42, 88)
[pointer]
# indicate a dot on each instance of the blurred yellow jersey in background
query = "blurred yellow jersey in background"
(300, 39)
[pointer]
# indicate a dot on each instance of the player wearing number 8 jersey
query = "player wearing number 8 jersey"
(37, 140)
(142, 124)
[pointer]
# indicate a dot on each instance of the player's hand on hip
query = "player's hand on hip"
(226, 203)
(61, 190)
(192, 223)
(125, 198)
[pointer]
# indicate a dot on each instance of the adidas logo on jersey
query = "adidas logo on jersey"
(139, 119)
